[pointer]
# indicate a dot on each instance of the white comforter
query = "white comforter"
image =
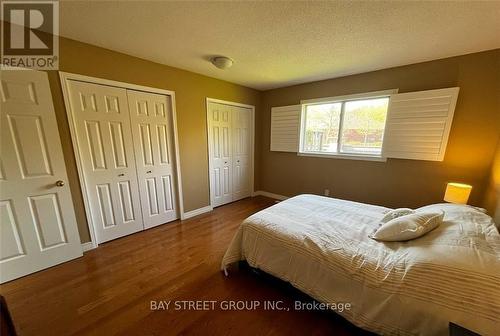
(321, 246)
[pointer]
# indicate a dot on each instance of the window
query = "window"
(345, 126)
(354, 126)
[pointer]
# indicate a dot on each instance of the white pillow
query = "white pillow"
(395, 213)
(447, 207)
(408, 226)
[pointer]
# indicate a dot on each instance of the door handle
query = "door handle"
(225, 162)
(148, 172)
(121, 175)
(60, 183)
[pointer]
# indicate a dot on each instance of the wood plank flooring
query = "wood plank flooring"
(109, 290)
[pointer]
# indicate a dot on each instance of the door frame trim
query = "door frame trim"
(65, 77)
(252, 142)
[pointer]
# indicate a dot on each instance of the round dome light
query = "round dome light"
(222, 62)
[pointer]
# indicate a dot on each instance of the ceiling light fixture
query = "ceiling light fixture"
(222, 62)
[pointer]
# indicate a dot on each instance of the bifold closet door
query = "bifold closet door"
(107, 156)
(220, 153)
(241, 130)
(150, 116)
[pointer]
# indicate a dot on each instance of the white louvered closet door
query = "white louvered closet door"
(107, 155)
(220, 153)
(150, 117)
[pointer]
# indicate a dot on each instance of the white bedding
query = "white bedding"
(321, 246)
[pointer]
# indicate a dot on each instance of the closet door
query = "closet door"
(241, 130)
(107, 154)
(220, 153)
(151, 120)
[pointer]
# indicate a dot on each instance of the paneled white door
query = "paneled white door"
(241, 128)
(107, 156)
(151, 121)
(37, 221)
(220, 153)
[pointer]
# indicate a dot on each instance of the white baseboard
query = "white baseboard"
(196, 212)
(270, 195)
(88, 246)
(209, 208)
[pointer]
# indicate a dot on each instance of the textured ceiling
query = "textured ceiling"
(276, 44)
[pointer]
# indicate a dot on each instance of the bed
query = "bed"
(321, 246)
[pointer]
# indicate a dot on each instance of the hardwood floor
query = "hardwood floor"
(109, 290)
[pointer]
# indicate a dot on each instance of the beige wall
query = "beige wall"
(396, 183)
(492, 194)
(190, 91)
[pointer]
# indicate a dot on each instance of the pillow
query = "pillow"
(450, 207)
(395, 214)
(408, 227)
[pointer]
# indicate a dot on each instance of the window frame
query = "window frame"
(340, 99)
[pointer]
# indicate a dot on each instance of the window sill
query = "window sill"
(344, 156)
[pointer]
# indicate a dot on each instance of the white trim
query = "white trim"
(252, 141)
(372, 94)
(88, 246)
(197, 212)
(344, 156)
(302, 126)
(270, 195)
(177, 158)
(226, 102)
(109, 82)
(64, 78)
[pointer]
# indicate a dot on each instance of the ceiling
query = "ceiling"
(277, 44)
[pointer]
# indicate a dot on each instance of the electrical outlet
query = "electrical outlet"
(327, 192)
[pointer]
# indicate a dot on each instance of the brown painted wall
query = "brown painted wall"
(492, 195)
(190, 91)
(396, 183)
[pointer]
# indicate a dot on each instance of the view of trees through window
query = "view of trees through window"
(359, 128)
(322, 127)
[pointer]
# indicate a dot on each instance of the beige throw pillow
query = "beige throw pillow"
(408, 227)
(395, 213)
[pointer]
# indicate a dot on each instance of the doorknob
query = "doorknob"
(121, 174)
(148, 172)
(60, 183)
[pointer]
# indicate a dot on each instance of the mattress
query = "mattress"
(321, 246)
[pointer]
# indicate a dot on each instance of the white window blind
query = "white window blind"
(418, 124)
(285, 128)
